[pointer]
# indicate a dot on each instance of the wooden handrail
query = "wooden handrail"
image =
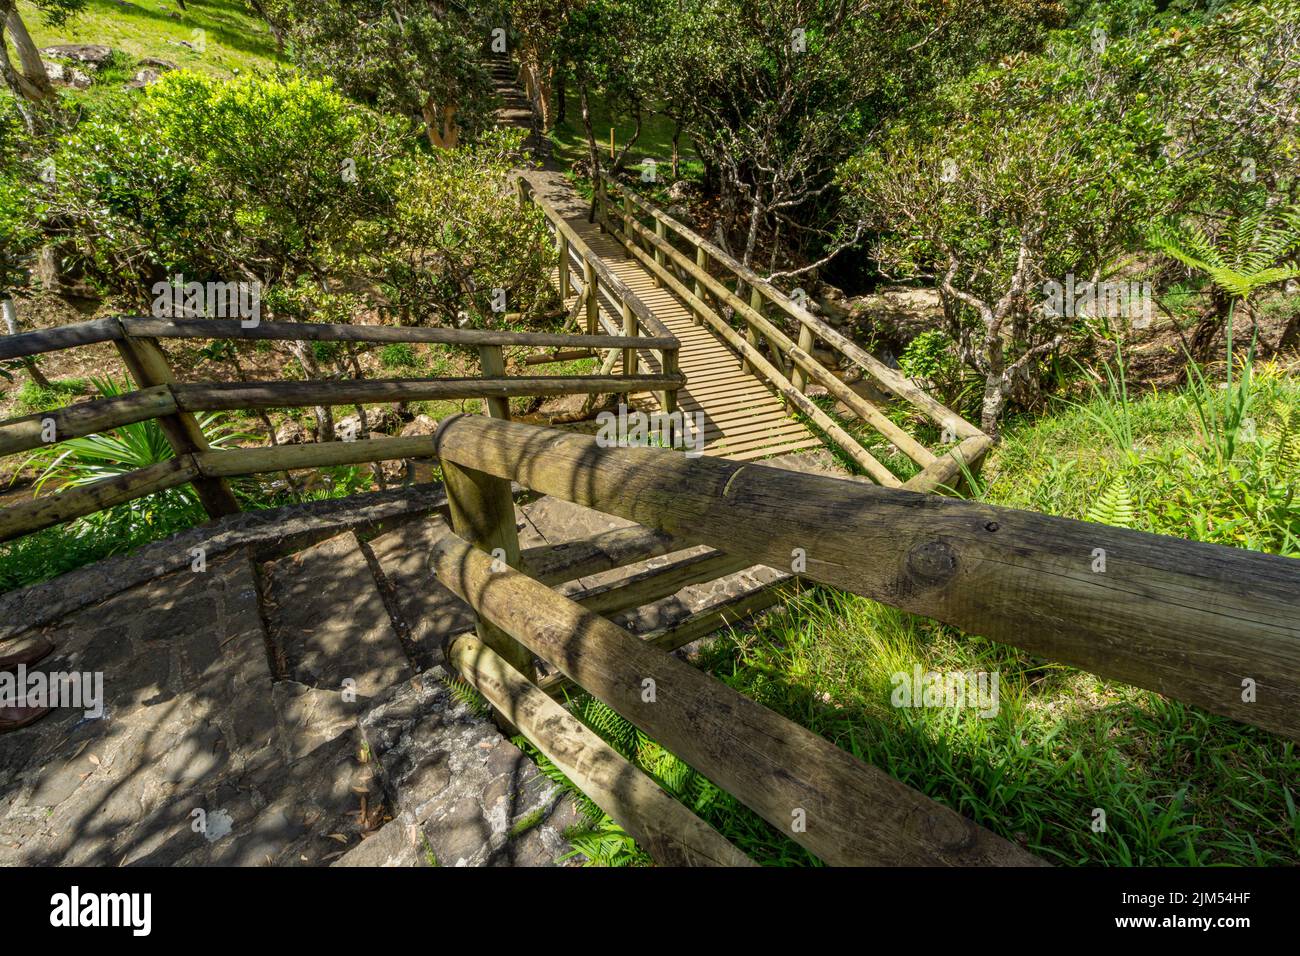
(227, 396)
(108, 330)
(669, 832)
(846, 812)
(605, 276)
(1199, 622)
(87, 418)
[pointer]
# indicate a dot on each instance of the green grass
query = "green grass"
(569, 141)
(32, 398)
(236, 41)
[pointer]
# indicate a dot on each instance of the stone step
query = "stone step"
(328, 622)
(461, 793)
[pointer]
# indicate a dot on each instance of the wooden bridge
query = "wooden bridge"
(1193, 621)
(748, 383)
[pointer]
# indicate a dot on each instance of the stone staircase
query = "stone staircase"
(288, 704)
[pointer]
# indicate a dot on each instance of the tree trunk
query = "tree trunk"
(677, 151)
(593, 151)
(440, 125)
(311, 368)
(995, 396)
(561, 109)
(11, 326)
(32, 82)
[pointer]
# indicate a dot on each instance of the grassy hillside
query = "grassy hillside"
(232, 40)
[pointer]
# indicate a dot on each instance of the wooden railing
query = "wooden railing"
(1197, 622)
(576, 259)
(713, 284)
(173, 403)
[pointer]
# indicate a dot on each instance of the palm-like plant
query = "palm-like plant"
(82, 461)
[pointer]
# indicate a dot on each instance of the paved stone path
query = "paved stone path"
(289, 709)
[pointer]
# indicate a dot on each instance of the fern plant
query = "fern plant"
(128, 448)
(1252, 254)
(1115, 506)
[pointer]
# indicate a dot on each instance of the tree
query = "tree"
(417, 58)
(777, 93)
(1030, 172)
(29, 82)
(459, 244)
(279, 183)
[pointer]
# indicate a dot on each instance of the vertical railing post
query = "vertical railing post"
(628, 236)
(562, 245)
(751, 336)
(629, 328)
(660, 233)
(483, 513)
(702, 261)
(492, 361)
(147, 363)
(805, 344)
(592, 292)
(668, 397)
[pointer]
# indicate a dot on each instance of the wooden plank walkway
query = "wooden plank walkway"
(743, 417)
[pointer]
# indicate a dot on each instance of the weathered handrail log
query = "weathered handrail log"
(853, 813)
(87, 418)
(107, 330)
(1214, 626)
(343, 332)
(61, 337)
(242, 395)
(670, 833)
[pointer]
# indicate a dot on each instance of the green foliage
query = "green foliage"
(399, 355)
(458, 234)
(22, 201)
(1018, 174)
(932, 357)
(1250, 254)
(83, 461)
(405, 56)
(34, 398)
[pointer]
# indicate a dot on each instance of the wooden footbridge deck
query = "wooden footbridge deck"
(743, 416)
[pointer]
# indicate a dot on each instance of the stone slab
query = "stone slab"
(328, 620)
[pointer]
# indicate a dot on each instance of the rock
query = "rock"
(94, 56)
(478, 800)
(63, 75)
(420, 425)
(143, 78)
(291, 433)
(156, 63)
(681, 214)
(896, 315)
(681, 191)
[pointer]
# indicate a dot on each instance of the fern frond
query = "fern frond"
(1115, 506)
